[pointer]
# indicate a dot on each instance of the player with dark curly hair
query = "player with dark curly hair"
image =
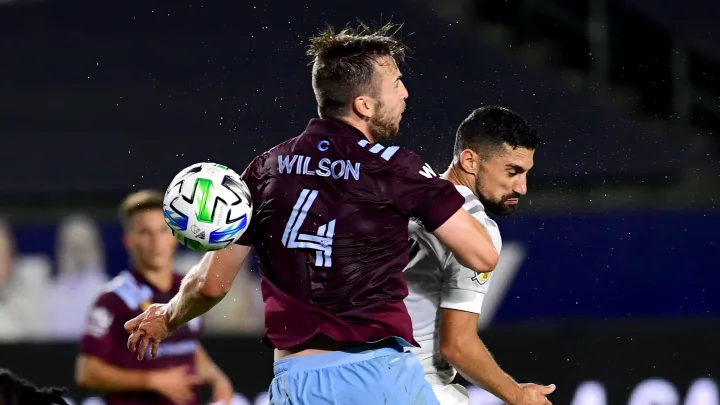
(494, 151)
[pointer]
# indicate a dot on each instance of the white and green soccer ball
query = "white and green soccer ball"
(207, 206)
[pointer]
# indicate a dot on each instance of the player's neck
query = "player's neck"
(161, 279)
(360, 125)
(458, 177)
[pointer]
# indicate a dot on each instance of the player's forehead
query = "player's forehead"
(387, 67)
(518, 157)
(146, 218)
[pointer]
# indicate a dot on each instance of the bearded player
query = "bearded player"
(331, 208)
(494, 150)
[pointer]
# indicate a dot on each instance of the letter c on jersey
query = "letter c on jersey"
(323, 146)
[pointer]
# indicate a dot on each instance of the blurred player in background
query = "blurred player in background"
(494, 150)
(330, 223)
(104, 364)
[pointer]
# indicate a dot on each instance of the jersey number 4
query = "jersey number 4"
(320, 242)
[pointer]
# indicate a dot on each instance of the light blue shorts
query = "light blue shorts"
(363, 376)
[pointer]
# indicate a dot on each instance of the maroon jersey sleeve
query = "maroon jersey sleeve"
(417, 191)
(250, 178)
(105, 327)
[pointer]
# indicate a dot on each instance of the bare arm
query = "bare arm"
(175, 384)
(207, 370)
(461, 346)
(469, 241)
(206, 284)
(211, 374)
(418, 192)
(95, 374)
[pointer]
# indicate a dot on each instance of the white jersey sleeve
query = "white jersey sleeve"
(464, 289)
(436, 280)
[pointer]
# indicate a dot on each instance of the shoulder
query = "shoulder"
(397, 159)
(124, 293)
(475, 207)
(253, 166)
(380, 152)
(472, 204)
(260, 162)
(108, 311)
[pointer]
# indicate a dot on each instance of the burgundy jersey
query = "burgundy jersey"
(331, 230)
(125, 297)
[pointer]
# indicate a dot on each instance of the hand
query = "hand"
(175, 384)
(150, 327)
(222, 390)
(533, 394)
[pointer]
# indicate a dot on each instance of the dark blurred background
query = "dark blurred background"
(610, 285)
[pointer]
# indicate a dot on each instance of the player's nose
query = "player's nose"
(520, 188)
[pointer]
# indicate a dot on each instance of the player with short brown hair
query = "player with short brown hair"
(331, 208)
(103, 363)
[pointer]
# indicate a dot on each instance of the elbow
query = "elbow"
(81, 380)
(483, 262)
(451, 350)
(212, 289)
(208, 279)
(82, 374)
(489, 262)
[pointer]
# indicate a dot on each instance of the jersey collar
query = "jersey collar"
(140, 279)
(332, 127)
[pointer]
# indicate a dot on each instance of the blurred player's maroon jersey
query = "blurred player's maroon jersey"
(125, 297)
(331, 230)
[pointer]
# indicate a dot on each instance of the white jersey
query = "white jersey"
(436, 280)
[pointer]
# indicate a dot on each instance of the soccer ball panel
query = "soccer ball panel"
(207, 206)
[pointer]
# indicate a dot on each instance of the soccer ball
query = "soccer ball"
(207, 206)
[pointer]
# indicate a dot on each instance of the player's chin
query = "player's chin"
(506, 209)
(159, 263)
(395, 131)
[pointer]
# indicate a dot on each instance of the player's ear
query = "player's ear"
(469, 161)
(364, 106)
(125, 240)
